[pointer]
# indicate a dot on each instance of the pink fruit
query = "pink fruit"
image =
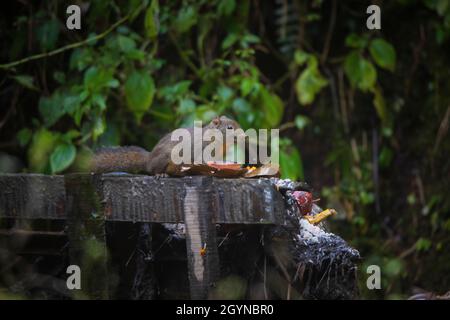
(304, 201)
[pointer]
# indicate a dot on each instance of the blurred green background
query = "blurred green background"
(363, 114)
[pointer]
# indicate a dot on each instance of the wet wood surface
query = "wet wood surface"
(88, 201)
(140, 198)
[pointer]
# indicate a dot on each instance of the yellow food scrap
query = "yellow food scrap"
(320, 216)
(203, 250)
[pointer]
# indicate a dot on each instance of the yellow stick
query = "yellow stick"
(320, 216)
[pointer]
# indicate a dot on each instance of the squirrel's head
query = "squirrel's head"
(223, 123)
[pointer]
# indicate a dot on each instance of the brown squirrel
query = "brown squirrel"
(135, 159)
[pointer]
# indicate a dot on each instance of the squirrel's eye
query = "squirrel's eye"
(230, 127)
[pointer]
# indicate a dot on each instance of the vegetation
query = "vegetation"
(363, 114)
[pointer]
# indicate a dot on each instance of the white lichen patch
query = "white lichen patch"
(178, 230)
(309, 232)
(284, 182)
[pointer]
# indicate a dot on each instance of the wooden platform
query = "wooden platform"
(87, 201)
(141, 198)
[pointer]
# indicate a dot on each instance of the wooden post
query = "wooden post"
(86, 233)
(144, 283)
(202, 252)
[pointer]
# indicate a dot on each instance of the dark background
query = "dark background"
(363, 113)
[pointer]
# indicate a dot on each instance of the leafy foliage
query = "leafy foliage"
(373, 134)
(310, 82)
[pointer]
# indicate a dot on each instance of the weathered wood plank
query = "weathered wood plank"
(87, 235)
(32, 196)
(143, 198)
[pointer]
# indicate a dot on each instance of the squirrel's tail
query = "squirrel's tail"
(119, 159)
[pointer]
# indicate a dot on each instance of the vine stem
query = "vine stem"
(184, 56)
(72, 45)
(326, 48)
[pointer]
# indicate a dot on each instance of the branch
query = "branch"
(73, 45)
(184, 56)
(326, 47)
(287, 125)
(279, 82)
(11, 108)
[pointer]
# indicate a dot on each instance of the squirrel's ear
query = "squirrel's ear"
(216, 121)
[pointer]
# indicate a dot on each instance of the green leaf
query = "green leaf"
(379, 103)
(51, 108)
(241, 106)
(59, 76)
(96, 78)
(126, 44)
(71, 102)
(446, 225)
(442, 6)
(26, 81)
(226, 7)
(229, 40)
(247, 85)
(205, 113)
(24, 136)
(300, 57)
(186, 106)
(98, 128)
(383, 53)
(301, 122)
(151, 22)
(411, 199)
(310, 17)
(291, 166)
(100, 101)
(272, 107)
(70, 135)
(250, 39)
(309, 84)
(243, 111)
(393, 267)
(423, 244)
(132, 7)
(186, 18)
(174, 91)
(41, 146)
(62, 157)
(111, 136)
(113, 83)
(355, 41)
(385, 157)
(225, 93)
(47, 34)
(135, 54)
(366, 197)
(81, 58)
(361, 72)
(91, 77)
(139, 93)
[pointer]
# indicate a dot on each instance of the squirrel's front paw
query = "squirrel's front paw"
(161, 175)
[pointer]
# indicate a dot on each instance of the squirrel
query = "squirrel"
(133, 159)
